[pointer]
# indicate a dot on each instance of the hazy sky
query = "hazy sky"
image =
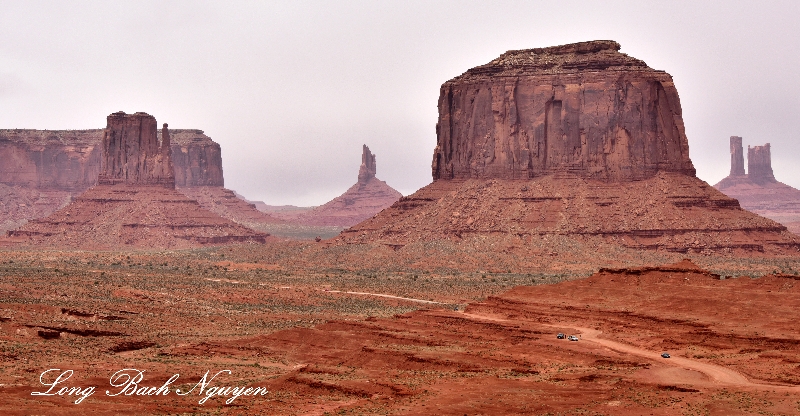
(291, 90)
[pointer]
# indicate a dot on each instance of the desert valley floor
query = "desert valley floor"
(403, 340)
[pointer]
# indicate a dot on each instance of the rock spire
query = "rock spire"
(737, 157)
(368, 168)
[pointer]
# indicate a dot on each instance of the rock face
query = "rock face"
(135, 203)
(363, 200)
(67, 160)
(132, 153)
(197, 159)
(758, 191)
(583, 108)
(569, 146)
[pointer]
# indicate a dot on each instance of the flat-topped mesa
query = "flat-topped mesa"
(368, 168)
(759, 164)
(737, 157)
(132, 154)
(584, 109)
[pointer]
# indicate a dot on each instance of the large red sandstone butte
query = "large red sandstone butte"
(43, 170)
(135, 203)
(363, 200)
(758, 191)
(577, 141)
(583, 108)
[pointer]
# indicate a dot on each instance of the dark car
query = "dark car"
(665, 354)
(560, 336)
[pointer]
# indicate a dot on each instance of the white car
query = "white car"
(572, 338)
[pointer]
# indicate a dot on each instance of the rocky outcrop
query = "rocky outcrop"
(132, 153)
(584, 108)
(112, 217)
(573, 147)
(759, 164)
(758, 191)
(363, 200)
(135, 203)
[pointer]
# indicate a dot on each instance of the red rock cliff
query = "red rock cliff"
(69, 160)
(197, 159)
(583, 108)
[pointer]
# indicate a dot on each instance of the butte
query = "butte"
(758, 190)
(361, 201)
(568, 148)
(135, 203)
(44, 169)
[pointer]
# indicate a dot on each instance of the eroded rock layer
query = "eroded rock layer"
(669, 211)
(133, 216)
(583, 108)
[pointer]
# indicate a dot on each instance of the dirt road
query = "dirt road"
(718, 374)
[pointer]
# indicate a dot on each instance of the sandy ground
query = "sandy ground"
(397, 342)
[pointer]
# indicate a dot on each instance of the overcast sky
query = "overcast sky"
(291, 90)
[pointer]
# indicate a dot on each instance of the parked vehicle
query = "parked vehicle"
(665, 355)
(561, 336)
(572, 338)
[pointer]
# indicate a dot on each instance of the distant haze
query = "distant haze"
(291, 90)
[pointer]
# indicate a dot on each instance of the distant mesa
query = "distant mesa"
(577, 142)
(758, 191)
(135, 203)
(363, 200)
